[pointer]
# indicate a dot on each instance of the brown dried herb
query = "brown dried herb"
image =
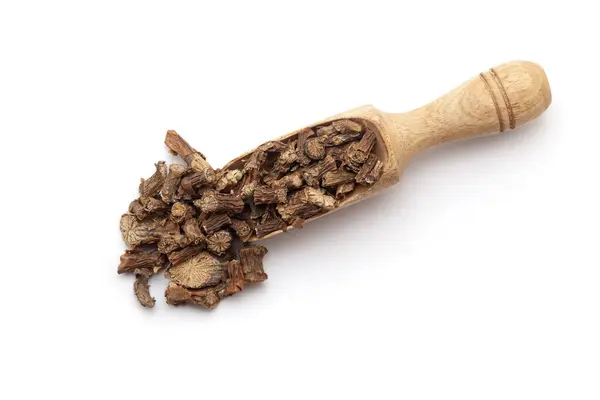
(194, 159)
(314, 149)
(171, 184)
(171, 243)
(151, 186)
(136, 208)
(197, 272)
(305, 203)
(312, 176)
(192, 184)
(205, 298)
(286, 159)
(219, 242)
(212, 201)
(228, 179)
(344, 189)
(215, 222)
(137, 232)
(291, 181)
(326, 130)
(152, 205)
(370, 171)
(191, 228)
(251, 259)
(269, 222)
(181, 212)
(142, 257)
(281, 184)
(235, 279)
(358, 152)
(242, 229)
(187, 252)
(303, 135)
(336, 178)
(269, 195)
(141, 287)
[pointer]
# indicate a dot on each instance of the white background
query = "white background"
(476, 277)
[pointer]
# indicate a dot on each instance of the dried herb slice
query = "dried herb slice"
(151, 187)
(242, 229)
(370, 172)
(142, 257)
(269, 222)
(141, 287)
(179, 256)
(269, 195)
(212, 201)
(199, 271)
(196, 161)
(251, 258)
(193, 232)
(336, 178)
(205, 298)
(169, 189)
(137, 232)
(215, 222)
(219, 242)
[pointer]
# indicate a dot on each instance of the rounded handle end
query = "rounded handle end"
(520, 92)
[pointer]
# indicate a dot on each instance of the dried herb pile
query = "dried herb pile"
(195, 222)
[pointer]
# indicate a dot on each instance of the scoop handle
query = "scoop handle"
(497, 100)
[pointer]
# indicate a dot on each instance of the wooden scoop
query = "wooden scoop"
(498, 100)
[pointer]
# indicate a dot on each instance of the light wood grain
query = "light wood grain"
(498, 100)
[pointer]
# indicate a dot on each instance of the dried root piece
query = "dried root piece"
(251, 259)
(347, 131)
(228, 179)
(286, 159)
(343, 190)
(181, 212)
(151, 187)
(213, 201)
(347, 126)
(193, 232)
(336, 178)
(269, 223)
(152, 205)
(215, 222)
(312, 176)
(137, 232)
(136, 208)
(219, 242)
(179, 256)
(194, 159)
(291, 181)
(269, 195)
(326, 130)
(303, 135)
(242, 229)
(306, 203)
(171, 184)
(197, 272)
(235, 280)
(141, 257)
(141, 287)
(205, 298)
(193, 183)
(171, 243)
(370, 171)
(359, 152)
(314, 149)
